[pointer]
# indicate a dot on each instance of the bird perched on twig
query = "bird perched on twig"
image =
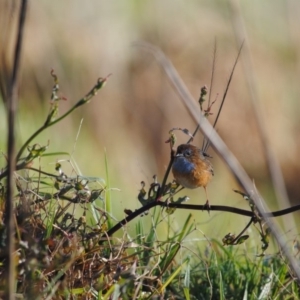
(191, 168)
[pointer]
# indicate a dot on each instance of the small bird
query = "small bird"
(191, 168)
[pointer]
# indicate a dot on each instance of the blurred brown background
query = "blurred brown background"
(131, 117)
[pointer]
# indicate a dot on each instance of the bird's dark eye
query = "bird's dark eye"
(187, 152)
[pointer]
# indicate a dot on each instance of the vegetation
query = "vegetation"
(68, 244)
(64, 249)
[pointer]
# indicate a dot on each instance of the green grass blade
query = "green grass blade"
(107, 200)
(221, 287)
(172, 276)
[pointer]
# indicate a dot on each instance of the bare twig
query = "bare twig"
(212, 72)
(49, 122)
(234, 210)
(11, 107)
(224, 95)
(210, 88)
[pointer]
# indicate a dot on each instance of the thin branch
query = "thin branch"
(100, 83)
(165, 179)
(212, 72)
(11, 107)
(224, 95)
(204, 142)
(234, 210)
